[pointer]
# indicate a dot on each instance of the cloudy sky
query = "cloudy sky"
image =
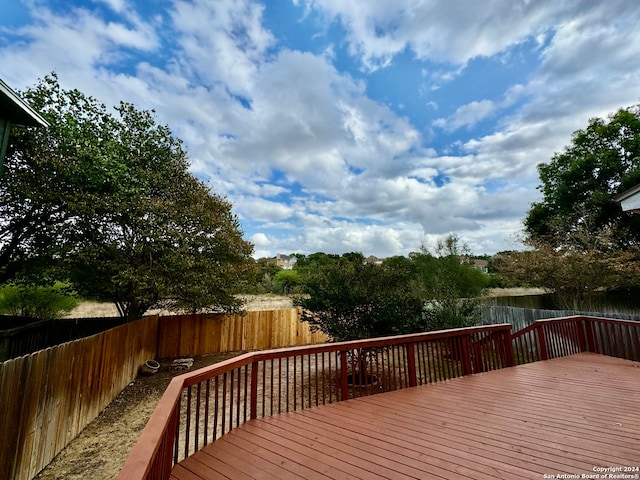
(359, 125)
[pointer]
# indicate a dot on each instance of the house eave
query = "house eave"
(16, 110)
(629, 200)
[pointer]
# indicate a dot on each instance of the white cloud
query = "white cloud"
(118, 6)
(221, 41)
(262, 210)
(300, 146)
(447, 32)
(260, 240)
(467, 115)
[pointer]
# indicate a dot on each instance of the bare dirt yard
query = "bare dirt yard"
(100, 450)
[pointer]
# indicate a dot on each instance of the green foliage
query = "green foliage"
(287, 281)
(574, 277)
(44, 303)
(314, 261)
(263, 277)
(450, 273)
(51, 177)
(451, 285)
(579, 233)
(579, 184)
(450, 312)
(349, 299)
(107, 200)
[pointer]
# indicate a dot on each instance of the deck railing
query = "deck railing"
(201, 406)
(559, 337)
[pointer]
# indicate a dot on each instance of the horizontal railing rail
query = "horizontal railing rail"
(201, 406)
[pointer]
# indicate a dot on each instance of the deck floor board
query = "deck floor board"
(561, 416)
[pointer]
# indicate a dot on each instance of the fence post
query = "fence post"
(542, 342)
(254, 391)
(344, 384)
(464, 355)
(411, 360)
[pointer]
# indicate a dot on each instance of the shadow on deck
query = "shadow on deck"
(566, 416)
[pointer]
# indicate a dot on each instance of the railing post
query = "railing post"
(254, 391)
(168, 443)
(542, 342)
(507, 347)
(588, 329)
(464, 355)
(344, 384)
(478, 365)
(411, 360)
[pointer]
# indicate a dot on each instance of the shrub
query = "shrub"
(37, 302)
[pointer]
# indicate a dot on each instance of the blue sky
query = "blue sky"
(361, 125)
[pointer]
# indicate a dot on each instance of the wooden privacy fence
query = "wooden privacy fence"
(48, 397)
(185, 335)
(26, 336)
(521, 317)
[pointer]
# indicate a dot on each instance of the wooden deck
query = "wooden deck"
(554, 417)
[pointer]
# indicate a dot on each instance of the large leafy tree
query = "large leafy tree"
(107, 200)
(575, 278)
(582, 241)
(451, 285)
(579, 183)
(52, 177)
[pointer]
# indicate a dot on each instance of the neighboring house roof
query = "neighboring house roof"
(478, 263)
(629, 199)
(16, 110)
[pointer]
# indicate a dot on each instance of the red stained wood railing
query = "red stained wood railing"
(559, 337)
(201, 406)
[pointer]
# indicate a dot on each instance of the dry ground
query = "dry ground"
(253, 302)
(100, 450)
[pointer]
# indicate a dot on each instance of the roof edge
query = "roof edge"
(24, 113)
(627, 193)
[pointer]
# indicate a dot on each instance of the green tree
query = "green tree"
(287, 280)
(45, 303)
(579, 233)
(313, 261)
(578, 186)
(263, 278)
(51, 177)
(451, 283)
(111, 205)
(575, 278)
(347, 298)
